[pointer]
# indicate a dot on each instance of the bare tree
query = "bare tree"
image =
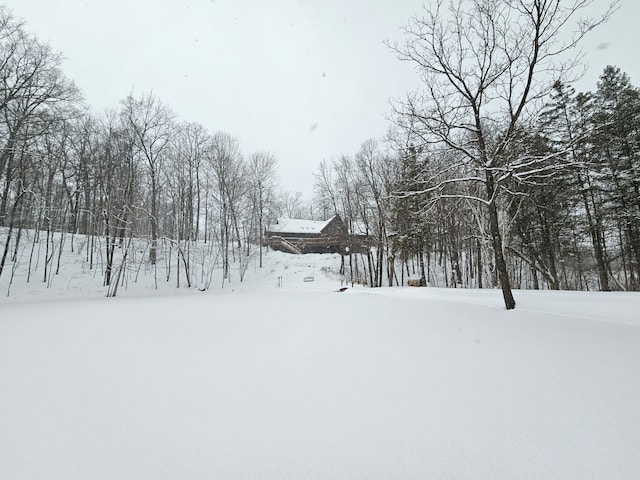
(151, 124)
(375, 171)
(116, 189)
(33, 93)
(227, 166)
(486, 65)
(262, 178)
(292, 204)
(324, 189)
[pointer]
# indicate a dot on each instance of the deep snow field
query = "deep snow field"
(260, 381)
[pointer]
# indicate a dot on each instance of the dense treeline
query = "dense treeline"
(497, 175)
(572, 222)
(134, 179)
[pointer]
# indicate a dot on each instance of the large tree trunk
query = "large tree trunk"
(496, 240)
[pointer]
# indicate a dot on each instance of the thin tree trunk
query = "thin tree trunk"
(11, 225)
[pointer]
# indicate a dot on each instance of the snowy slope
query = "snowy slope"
(276, 377)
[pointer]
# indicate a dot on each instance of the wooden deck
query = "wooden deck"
(300, 245)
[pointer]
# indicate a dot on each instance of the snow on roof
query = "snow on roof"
(296, 225)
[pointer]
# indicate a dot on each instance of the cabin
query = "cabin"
(309, 236)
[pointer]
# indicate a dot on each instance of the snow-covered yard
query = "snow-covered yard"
(301, 382)
(278, 377)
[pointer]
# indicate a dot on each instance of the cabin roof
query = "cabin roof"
(296, 225)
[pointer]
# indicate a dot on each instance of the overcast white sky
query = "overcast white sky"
(304, 79)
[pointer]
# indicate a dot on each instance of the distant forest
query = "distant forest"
(495, 172)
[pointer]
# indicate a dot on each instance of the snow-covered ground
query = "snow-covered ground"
(260, 381)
